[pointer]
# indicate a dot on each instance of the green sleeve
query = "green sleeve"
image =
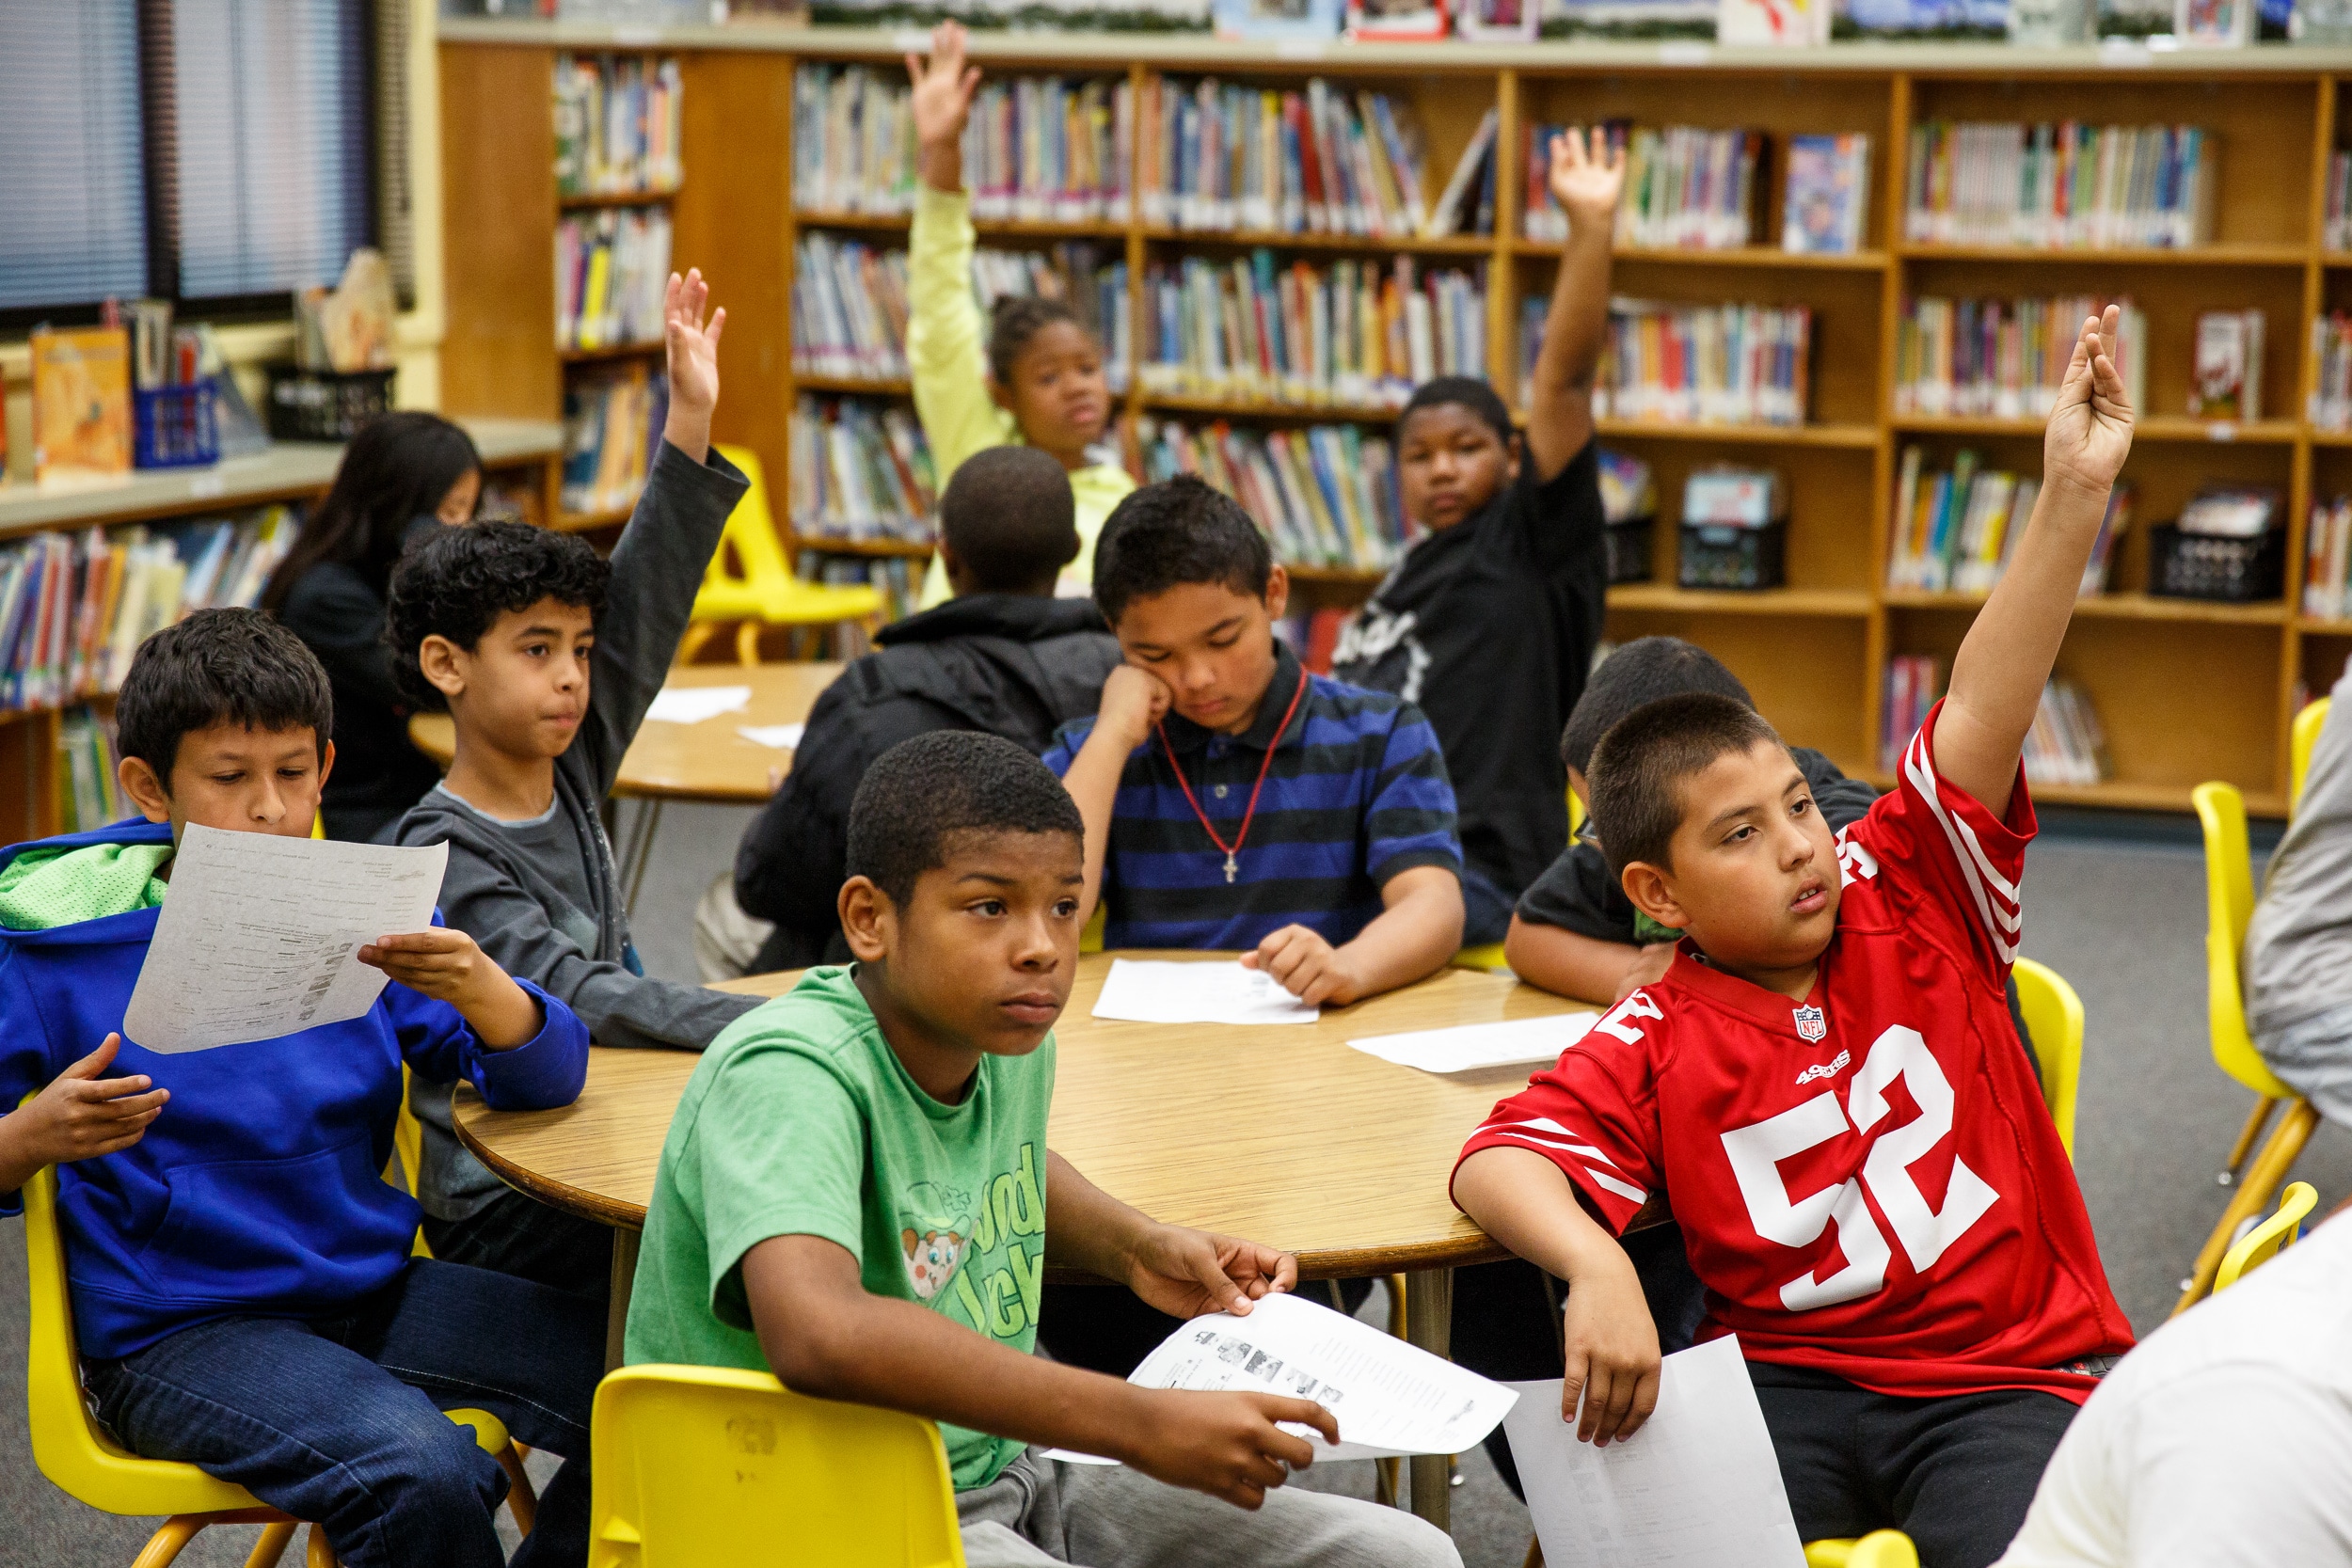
(783, 1153)
(946, 355)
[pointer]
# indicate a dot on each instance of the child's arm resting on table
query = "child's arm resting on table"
(1571, 964)
(1576, 325)
(2008, 655)
(826, 1337)
(1419, 928)
(77, 1115)
(1610, 1348)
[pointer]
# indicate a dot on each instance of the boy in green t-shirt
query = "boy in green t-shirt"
(854, 1193)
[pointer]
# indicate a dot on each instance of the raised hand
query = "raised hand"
(1587, 179)
(942, 101)
(693, 350)
(2090, 432)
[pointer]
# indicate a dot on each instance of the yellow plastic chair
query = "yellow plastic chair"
(78, 1457)
(2228, 905)
(698, 1465)
(1487, 957)
(762, 591)
(1881, 1548)
(2270, 1237)
(2053, 1029)
(2301, 738)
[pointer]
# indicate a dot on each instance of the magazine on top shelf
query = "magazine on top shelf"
(1222, 157)
(1827, 199)
(2060, 187)
(610, 270)
(1324, 496)
(1686, 188)
(2004, 359)
(1347, 332)
(617, 126)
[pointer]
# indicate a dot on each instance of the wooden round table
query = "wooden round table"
(1281, 1133)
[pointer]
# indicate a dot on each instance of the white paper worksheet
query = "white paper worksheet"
(1697, 1487)
(1155, 991)
(261, 935)
(783, 738)
(1475, 1045)
(692, 705)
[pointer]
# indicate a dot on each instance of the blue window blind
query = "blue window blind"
(73, 203)
(273, 157)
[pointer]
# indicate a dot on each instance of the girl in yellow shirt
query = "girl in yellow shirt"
(1035, 375)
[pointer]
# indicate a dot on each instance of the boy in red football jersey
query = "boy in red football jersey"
(1827, 1083)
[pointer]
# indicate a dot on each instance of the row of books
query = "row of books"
(1955, 531)
(617, 125)
(1686, 188)
(1075, 272)
(1324, 496)
(1352, 332)
(860, 473)
(1694, 364)
(1045, 149)
(898, 578)
(2327, 560)
(88, 797)
(2336, 231)
(2330, 406)
(611, 269)
(2066, 745)
(849, 308)
(1220, 156)
(74, 608)
(2003, 358)
(612, 429)
(1914, 682)
(2059, 187)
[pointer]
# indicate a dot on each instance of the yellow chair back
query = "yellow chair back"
(2053, 1028)
(696, 1465)
(1487, 957)
(749, 580)
(2301, 741)
(2228, 905)
(1882, 1548)
(2270, 1237)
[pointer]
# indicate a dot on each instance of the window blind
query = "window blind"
(72, 212)
(271, 103)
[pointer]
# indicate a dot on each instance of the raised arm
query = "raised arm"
(2007, 657)
(1134, 700)
(1586, 182)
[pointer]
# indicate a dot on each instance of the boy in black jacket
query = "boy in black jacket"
(1004, 657)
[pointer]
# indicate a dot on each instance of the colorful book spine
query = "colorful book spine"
(860, 473)
(1990, 358)
(612, 429)
(617, 126)
(1221, 157)
(1326, 495)
(1352, 333)
(2337, 229)
(1955, 531)
(2331, 406)
(1695, 364)
(850, 307)
(2064, 186)
(2327, 560)
(1914, 682)
(2066, 744)
(610, 268)
(1686, 188)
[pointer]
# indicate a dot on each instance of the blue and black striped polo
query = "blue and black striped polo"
(1356, 792)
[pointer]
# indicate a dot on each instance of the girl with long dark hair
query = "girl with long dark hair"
(401, 472)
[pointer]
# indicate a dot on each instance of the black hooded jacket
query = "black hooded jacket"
(1007, 664)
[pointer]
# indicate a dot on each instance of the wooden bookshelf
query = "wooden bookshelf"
(2186, 690)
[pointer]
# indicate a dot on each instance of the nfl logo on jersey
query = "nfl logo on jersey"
(1811, 1024)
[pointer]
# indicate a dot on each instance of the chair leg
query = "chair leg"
(164, 1544)
(2253, 1196)
(322, 1555)
(521, 1500)
(747, 643)
(2264, 1105)
(1396, 1305)
(272, 1546)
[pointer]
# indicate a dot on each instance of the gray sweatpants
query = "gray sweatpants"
(1042, 1511)
(2313, 1057)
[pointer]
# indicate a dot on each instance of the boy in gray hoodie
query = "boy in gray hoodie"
(547, 660)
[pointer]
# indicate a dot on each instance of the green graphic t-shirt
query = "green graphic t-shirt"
(799, 1120)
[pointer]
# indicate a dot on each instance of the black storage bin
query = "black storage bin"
(1628, 548)
(1722, 554)
(2228, 569)
(325, 405)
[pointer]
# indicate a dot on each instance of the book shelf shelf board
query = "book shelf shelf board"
(582, 201)
(1835, 603)
(2289, 254)
(897, 223)
(851, 385)
(1857, 437)
(819, 543)
(588, 522)
(2116, 606)
(1811, 698)
(610, 352)
(2149, 428)
(1762, 256)
(1183, 240)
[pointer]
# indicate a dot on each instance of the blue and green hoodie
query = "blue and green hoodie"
(260, 1190)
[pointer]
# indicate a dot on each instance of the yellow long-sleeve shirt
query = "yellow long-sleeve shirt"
(947, 357)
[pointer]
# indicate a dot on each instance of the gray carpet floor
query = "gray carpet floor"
(2124, 923)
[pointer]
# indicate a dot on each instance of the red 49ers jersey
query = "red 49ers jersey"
(1867, 1183)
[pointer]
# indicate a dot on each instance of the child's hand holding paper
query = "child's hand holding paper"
(449, 967)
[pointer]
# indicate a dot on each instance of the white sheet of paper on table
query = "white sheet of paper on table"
(1157, 991)
(1697, 1487)
(1390, 1398)
(261, 935)
(1477, 1045)
(692, 705)
(783, 738)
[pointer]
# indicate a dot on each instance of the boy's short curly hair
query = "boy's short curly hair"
(219, 666)
(1176, 532)
(921, 792)
(1639, 767)
(460, 580)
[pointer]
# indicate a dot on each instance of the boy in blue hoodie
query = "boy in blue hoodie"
(243, 1291)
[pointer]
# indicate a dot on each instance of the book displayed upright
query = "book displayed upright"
(81, 404)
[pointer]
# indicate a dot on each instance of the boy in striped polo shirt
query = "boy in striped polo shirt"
(1232, 799)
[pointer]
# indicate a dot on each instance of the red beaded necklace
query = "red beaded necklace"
(1233, 866)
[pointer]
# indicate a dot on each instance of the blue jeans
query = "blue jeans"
(337, 1419)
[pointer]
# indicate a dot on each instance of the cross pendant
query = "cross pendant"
(1229, 867)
